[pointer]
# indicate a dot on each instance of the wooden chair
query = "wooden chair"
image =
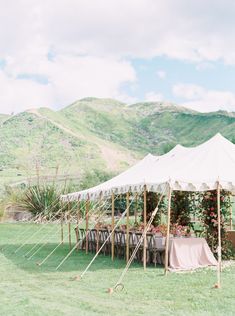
(117, 243)
(158, 244)
(104, 233)
(92, 240)
(139, 254)
(122, 244)
(132, 242)
(82, 237)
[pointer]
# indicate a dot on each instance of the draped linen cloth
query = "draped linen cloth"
(190, 254)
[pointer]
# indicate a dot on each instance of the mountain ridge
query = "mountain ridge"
(100, 134)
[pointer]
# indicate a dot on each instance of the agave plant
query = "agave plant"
(42, 199)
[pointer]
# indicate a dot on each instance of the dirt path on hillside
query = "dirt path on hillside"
(111, 156)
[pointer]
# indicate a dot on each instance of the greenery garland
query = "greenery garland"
(209, 219)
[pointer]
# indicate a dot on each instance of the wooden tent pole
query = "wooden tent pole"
(219, 237)
(136, 206)
(160, 216)
(231, 214)
(62, 228)
(112, 246)
(127, 225)
(145, 222)
(97, 230)
(87, 221)
(77, 228)
(168, 231)
(69, 226)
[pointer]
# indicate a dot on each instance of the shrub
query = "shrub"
(210, 219)
(42, 199)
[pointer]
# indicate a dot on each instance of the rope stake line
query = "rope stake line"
(123, 214)
(75, 246)
(119, 282)
(62, 241)
(80, 241)
(47, 223)
(32, 221)
(49, 255)
(35, 233)
(43, 245)
(45, 236)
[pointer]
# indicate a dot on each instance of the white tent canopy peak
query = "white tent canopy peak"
(196, 168)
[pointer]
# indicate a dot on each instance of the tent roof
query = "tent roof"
(186, 169)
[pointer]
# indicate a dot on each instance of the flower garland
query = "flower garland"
(209, 217)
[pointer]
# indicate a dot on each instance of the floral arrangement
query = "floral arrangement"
(180, 230)
(210, 219)
(160, 229)
(140, 227)
(100, 225)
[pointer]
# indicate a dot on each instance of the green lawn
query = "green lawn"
(27, 289)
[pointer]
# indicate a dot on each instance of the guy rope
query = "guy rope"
(119, 282)
(80, 241)
(110, 234)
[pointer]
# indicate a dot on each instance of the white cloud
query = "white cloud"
(69, 78)
(190, 30)
(188, 91)
(18, 95)
(152, 96)
(161, 74)
(204, 66)
(203, 100)
(90, 41)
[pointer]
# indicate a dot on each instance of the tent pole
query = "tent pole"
(97, 230)
(87, 221)
(145, 221)
(219, 237)
(127, 225)
(78, 220)
(136, 206)
(160, 217)
(62, 228)
(112, 246)
(168, 231)
(69, 226)
(231, 215)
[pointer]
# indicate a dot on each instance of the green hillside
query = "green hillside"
(99, 134)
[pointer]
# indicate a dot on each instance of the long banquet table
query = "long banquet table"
(185, 253)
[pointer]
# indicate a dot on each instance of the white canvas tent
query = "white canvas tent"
(209, 166)
(132, 180)
(185, 169)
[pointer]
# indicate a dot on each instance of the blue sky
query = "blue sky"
(160, 74)
(131, 50)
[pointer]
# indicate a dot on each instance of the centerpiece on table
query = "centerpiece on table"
(180, 230)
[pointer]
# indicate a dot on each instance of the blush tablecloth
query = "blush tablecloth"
(190, 254)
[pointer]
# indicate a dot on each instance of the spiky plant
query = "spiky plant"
(42, 199)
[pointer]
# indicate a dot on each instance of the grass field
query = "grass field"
(27, 289)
